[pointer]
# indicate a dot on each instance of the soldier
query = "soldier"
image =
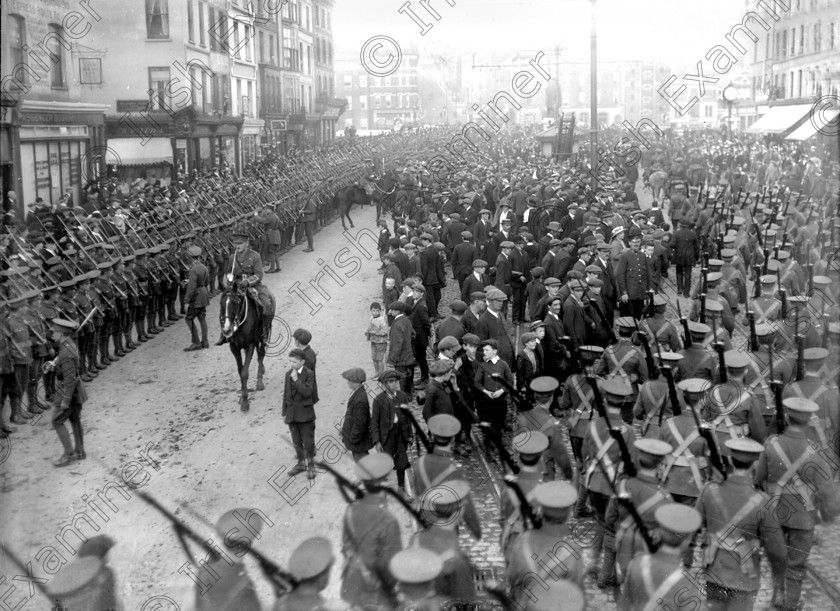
(697, 362)
(439, 467)
(85, 335)
(602, 456)
(623, 360)
(714, 311)
(197, 298)
(543, 417)
(310, 564)
(370, 539)
(40, 349)
(548, 554)
(232, 589)
(825, 424)
(417, 570)
(271, 223)
(733, 279)
(443, 505)
(70, 394)
(738, 523)
(20, 351)
(104, 287)
(659, 330)
(531, 447)
(793, 472)
(659, 579)
(633, 277)
(8, 384)
(653, 403)
(623, 539)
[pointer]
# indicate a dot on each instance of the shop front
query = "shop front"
(252, 129)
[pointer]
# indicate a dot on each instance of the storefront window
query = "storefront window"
(249, 149)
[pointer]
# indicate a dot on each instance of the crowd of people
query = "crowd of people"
(527, 310)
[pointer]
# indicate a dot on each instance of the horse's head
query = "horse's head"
(233, 299)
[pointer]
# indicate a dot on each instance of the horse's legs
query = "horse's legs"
(343, 214)
(244, 404)
(348, 217)
(260, 365)
(242, 370)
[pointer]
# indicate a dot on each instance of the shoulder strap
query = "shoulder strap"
(792, 473)
(663, 589)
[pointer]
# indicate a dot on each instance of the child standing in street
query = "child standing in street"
(377, 335)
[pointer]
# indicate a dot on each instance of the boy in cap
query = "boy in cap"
(659, 579)
(370, 539)
(300, 394)
(401, 352)
(70, 394)
(739, 522)
(437, 400)
(476, 281)
(390, 429)
(550, 553)
(355, 430)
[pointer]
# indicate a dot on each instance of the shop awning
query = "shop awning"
(137, 151)
(823, 122)
(779, 119)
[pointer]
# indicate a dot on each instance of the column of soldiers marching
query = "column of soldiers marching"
(695, 444)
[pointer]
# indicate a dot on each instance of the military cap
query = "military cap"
(297, 353)
(479, 263)
(536, 325)
(68, 284)
(530, 443)
(678, 519)
(75, 578)
(477, 296)
(659, 300)
(551, 281)
(537, 272)
(783, 255)
(544, 384)
(744, 449)
(302, 335)
(727, 253)
(441, 367)
(714, 276)
(671, 357)
(737, 221)
(104, 265)
(467, 235)
(374, 467)
(594, 282)
(694, 386)
(506, 244)
(528, 336)
(626, 322)
(194, 251)
(560, 594)
(448, 343)
(767, 279)
(240, 232)
(418, 287)
(490, 342)
(802, 406)
(493, 293)
(590, 352)
(653, 447)
(470, 339)
(444, 425)
(616, 390)
(698, 328)
(355, 374)
(388, 375)
(773, 265)
(445, 498)
(815, 354)
(764, 329)
(713, 305)
(735, 359)
(555, 495)
(715, 263)
(416, 565)
(311, 558)
(797, 300)
(458, 307)
(232, 521)
(822, 280)
(64, 323)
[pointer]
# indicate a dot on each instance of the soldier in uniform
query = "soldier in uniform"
(632, 276)
(416, 571)
(623, 360)
(86, 336)
(825, 424)
(370, 539)
(738, 522)
(103, 287)
(232, 589)
(271, 223)
(197, 298)
(793, 472)
(531, 447)
(602, 456)
(443, 505)
(653, 404)
(623, 540)
(8, 384)
(661, 331)
(548, 554)
(543, 417)
(40, 349)
(697, 362)
(310, 564)
(70, 394)
(659, 580)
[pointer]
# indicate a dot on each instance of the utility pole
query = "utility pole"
(593, 94)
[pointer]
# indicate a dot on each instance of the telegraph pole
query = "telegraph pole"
(593, 94)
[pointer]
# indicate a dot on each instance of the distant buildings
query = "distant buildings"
(156, 87)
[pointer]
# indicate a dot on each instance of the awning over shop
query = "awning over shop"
(138, 151)
(824, 122)
(779, 119)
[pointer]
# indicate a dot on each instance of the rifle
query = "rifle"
(800, 349)
(777, 386)
(721, 361)
(810, 267)
(345, 486)
(282, 581)
(519, 400)
(653, 371)
(505, 456)
(711, 441)
(783, 299)
(525, 507)
(702, 317)
(766, 257)
(757, 286)
(627, 502)
(417, 515)
(629, 467)
(753, 336)
(684, 321)
(421, 435)
(668, 372)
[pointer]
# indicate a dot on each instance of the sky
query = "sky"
(627, 29)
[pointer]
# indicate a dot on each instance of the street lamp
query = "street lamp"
(730, 94)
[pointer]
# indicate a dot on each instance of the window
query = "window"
(801, 39)
(288, 48)
(158, 79)
(17, 40)
(271, 48)
(363, 81)
(262, 47)
(239, 97)
(157, 18)
(201, 40)
(195, 81)
(247, 104)
(363, 102)
(793, 42)
(308, 59)
(55, 45)
(348, 81)
(211, 16)
(832, 35)
(307, 18)
(329, 54)
(350, 104)
(799, 84)
(388, 101)
(206, 92)
(817, 36)
(90, 70)
(247, 40)
(190, 24)
(708, 111)
(236, 38)
(299, 62)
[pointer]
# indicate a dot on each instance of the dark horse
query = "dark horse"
(243, 328)
(345, 197)
(384, 193)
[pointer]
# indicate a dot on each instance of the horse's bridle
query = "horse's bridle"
(231, 329)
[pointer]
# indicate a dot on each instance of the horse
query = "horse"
(243, 328)
(344, 199)
(658, 180)
(383, 192)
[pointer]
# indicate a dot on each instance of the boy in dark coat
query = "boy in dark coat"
(355, 432)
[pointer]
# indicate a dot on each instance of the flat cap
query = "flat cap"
(479, 263)
(297, 353)
(458, 307)
(506, 244)
(595, 282)
(530, 443)
(528, 336)
(426, 236)
(374, 467)
(441, 367)
(470, 339)
(355, 374)
(388, 375)
(467, 235)
(492, 292)
(444, 425)
(490, 342)
(397, 306)
(418, 287)
(551, 281)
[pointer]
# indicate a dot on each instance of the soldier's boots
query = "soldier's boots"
(606, 574)
(300, 467)
(34, 406)
(78, 437)
(597, 543)
(18, 415)
(69, 455)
